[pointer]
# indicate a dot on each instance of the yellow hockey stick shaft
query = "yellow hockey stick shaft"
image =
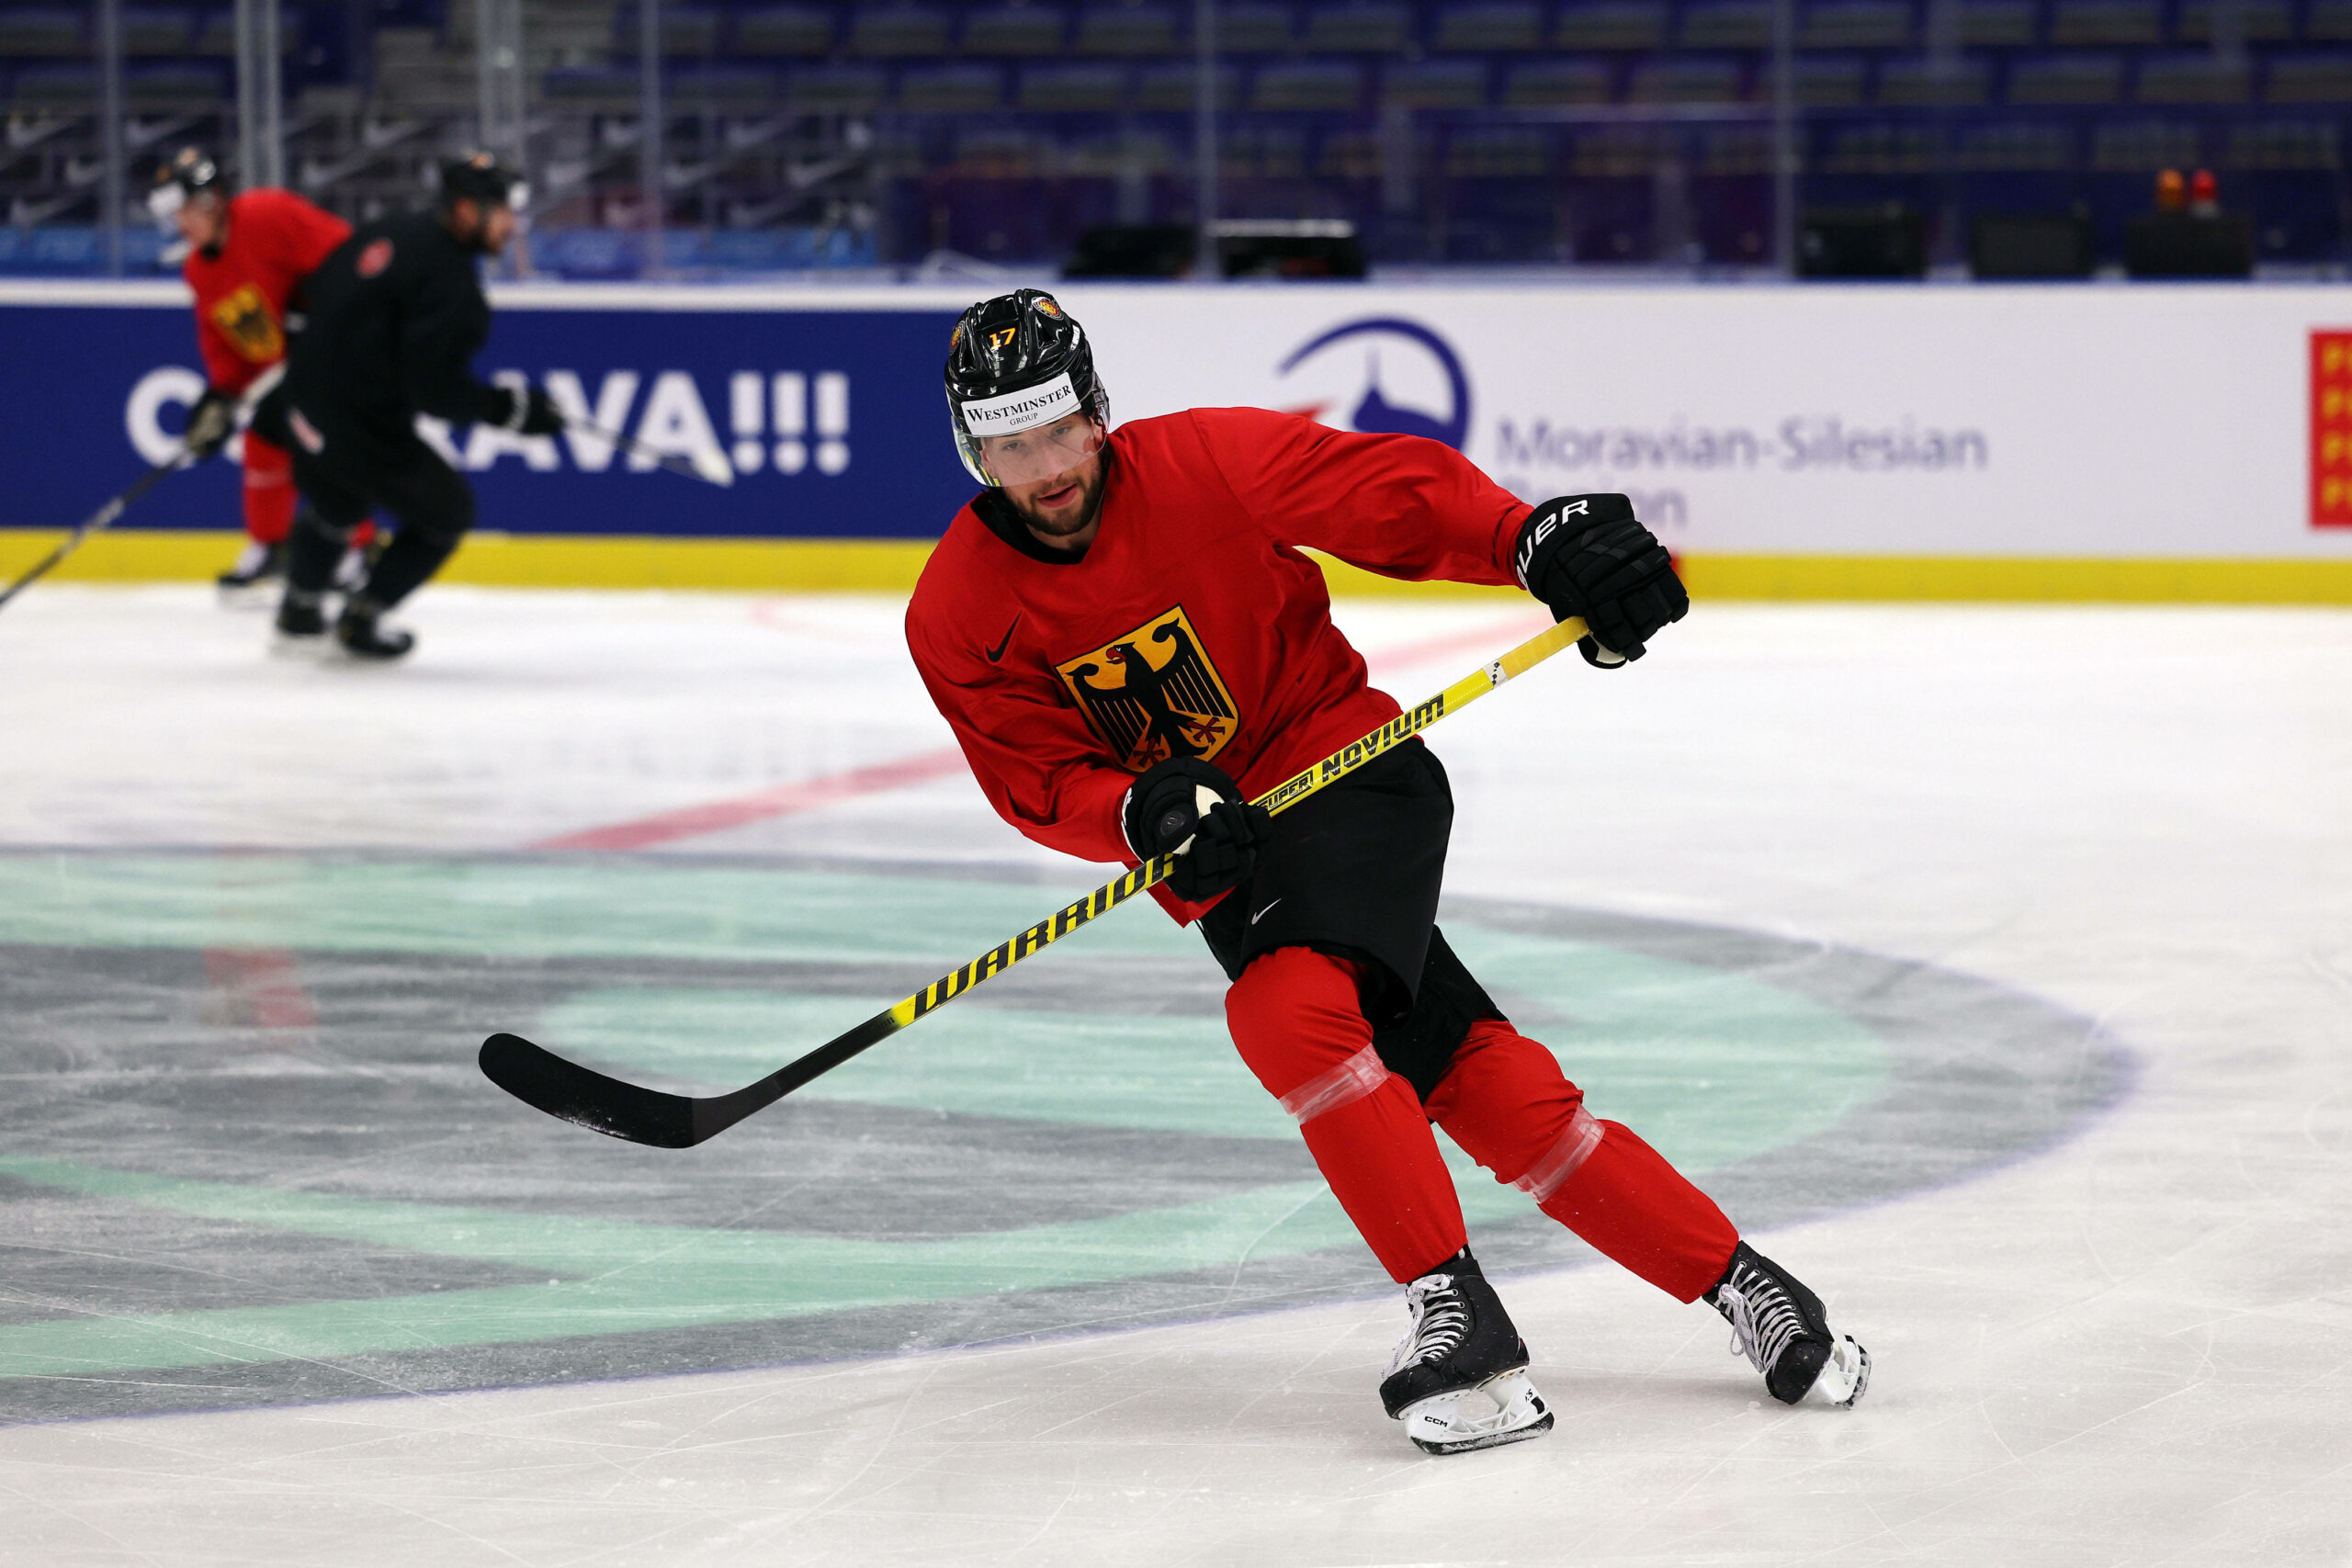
(1281, 797)
(654, 1117)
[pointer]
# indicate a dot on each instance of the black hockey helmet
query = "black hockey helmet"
(479, 176)
(1014, 363)
(189, 173)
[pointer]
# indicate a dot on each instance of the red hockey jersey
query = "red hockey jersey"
(1192, 624)
(276, 240)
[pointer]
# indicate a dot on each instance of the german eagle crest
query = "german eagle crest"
(1152, 694)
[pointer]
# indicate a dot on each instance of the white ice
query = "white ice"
(2134, 1348)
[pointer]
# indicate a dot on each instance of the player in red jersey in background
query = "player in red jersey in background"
(247, 255)
(1129, 644)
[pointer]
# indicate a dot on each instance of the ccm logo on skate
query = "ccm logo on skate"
(782, 421)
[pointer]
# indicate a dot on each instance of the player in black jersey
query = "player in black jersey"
(395, 317)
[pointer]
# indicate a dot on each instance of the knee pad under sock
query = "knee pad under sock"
(1505, 1101)
(1298, 1025)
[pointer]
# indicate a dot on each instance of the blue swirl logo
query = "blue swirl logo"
(1373, 411)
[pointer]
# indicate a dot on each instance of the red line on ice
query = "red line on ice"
(761, 805)
(788, 800)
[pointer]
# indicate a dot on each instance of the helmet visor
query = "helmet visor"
(1026, 456)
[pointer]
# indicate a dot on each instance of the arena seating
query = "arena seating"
(2009, 104)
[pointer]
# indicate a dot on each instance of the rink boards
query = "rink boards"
(2081, 442)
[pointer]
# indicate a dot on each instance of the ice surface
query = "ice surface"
(254, 913)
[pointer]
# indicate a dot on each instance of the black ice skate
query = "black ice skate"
(258, 566)
(1780, 1327)
(361, 636)
(302, 623)
(1459, 1380)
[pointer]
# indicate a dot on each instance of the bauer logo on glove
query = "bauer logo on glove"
(1588, 556)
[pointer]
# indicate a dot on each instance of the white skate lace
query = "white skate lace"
(1441, 1320)
(1763, 1319)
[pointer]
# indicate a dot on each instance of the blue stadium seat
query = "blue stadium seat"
(1487, 153)
(1328, 85)
(2310, 79)
(41, 33)
(950, 89)
(1831, 81)
(1997, 24)
(1878, 149)
(608, 89)
(784, 31)
(898, 31)
(1170, 87)
(1252, 28)
(720, 87)
(148, 31)
(2193, 79)
(2329, 21)
(2143, 146)
(2109, 22)
(1685, 79)
(689, 31)
(1133, 30)
(2285, 145)
(182, 84)
(1856, 24)
(835, 89)
(1495, 27)
(1435, 85)
(2259, 21)
(1092, 89)
(1726, 24)
(1611, 25)
(2067, 79)
(55, 86)
(1547, 84)
(2015, 147)
(1358, 26)
(1015, 31)
(1923, 81)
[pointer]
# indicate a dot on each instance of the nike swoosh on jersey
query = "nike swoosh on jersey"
(1262, 914)
(997, 651)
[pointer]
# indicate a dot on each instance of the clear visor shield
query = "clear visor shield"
(1026, 456)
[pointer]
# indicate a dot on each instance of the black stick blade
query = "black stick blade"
(588, 1098)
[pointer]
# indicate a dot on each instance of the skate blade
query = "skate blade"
(1504, 1409)
(1843, 1377)
(316, 649)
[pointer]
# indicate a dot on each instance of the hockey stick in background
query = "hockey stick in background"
(538, 1077)
(704, 465)
(246, 401)
(96, 521)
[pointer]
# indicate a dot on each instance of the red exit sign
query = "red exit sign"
(2332, 430)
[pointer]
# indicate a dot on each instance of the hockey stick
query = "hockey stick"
(717, 470)
(538, 1077)
(96, 521)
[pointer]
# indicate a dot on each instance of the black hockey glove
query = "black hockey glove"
(1185, 801)
(1586, 555)
(537, 413)
(529, 410)
(209, 423)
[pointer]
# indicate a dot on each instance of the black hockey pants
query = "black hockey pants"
(342, 485)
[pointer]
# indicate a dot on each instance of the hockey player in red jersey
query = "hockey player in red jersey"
(247, 255)
(1129, 645)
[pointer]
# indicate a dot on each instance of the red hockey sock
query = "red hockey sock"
(270, 491)
(1297, 1023)
(1506, 1102)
